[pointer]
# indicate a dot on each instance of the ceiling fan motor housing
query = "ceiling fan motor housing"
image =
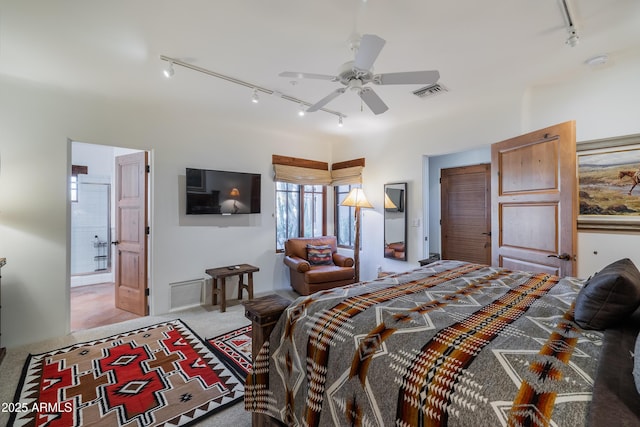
(348, 73)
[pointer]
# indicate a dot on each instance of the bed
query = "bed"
(453, 344)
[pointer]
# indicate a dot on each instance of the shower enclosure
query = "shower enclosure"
(91, 227)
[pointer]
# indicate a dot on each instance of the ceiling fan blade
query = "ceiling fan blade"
(373, 101)
(410, 77)
(370, 47)
(324, 101)
(297, 75)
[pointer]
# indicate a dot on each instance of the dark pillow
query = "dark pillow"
(319, 255)
(608, 297)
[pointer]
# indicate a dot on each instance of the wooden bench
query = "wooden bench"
(221, 274)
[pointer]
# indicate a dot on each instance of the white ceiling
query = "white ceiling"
(483, 50)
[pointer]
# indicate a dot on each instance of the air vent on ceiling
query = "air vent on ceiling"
(430, 90)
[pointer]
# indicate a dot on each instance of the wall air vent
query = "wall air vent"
(430, 90)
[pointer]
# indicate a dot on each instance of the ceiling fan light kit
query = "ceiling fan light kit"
(357, 74)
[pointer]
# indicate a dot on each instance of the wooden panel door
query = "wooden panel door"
(535, 201)
(466, 213)
(131, 237)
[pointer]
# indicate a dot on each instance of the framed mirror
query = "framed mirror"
(395, 221)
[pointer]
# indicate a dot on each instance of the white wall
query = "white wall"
(37, 124)
(603, 101)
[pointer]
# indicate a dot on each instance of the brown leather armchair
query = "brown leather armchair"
(307, 278)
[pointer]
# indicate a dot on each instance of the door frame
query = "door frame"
(485, 169)
(150, 154)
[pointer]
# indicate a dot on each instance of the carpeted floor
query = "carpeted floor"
(206, 321)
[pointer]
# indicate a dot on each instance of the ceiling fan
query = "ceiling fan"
(356, 74)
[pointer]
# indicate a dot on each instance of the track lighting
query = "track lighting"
(169, 71)
(573, 38)
(256, 88)
(339, 121)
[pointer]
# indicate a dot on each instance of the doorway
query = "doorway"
(91, 236)
(466, 213)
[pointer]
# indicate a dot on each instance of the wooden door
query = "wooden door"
(535, 201)
(466, 213)
(131, 236)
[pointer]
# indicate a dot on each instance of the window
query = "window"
(73, 183)
(344, 217)
(73, 187)
(300, 212)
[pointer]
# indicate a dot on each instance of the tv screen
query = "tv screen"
(222, 192)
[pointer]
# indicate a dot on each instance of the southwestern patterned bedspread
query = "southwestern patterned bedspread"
(449, 344)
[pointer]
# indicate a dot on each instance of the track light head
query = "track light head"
(340, 121)
(573, 38)
(255, 98)
(301, 111)
(169, 71)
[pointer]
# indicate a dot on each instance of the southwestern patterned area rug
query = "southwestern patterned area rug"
(234, 349)
(160, 375)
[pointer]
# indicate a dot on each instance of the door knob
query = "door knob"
(564, 257)
(115, 243)
(487, 234)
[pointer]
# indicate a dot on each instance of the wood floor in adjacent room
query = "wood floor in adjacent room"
(94, 305)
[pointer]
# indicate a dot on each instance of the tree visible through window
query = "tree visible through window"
(300, 212)
(344, 217)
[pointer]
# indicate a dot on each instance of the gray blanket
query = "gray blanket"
(449, 344)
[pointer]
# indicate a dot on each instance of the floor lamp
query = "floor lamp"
(357, 199)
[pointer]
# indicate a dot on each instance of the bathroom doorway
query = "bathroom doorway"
(93, 265)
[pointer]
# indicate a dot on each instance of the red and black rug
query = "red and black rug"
(160, 375)
(234, 349)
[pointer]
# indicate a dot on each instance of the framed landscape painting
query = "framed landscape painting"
(608, 184)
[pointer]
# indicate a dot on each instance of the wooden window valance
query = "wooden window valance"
(349, 172)
(312, 172)
(301, 171)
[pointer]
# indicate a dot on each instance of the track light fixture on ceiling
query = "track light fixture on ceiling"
(573, 39)
(169, 71)
(303, 104)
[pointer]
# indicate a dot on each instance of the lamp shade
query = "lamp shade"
(356, 198)
(388, 204)
(235, 192)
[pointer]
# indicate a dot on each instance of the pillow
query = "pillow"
(636, 364)
(319, 255)
(608, 297)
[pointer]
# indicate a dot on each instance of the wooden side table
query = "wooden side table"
(221, 274)
(264, 313)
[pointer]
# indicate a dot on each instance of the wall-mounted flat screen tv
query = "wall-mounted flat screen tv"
(222, 192)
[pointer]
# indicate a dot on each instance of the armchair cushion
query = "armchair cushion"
(328, 273)
(319, 255)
